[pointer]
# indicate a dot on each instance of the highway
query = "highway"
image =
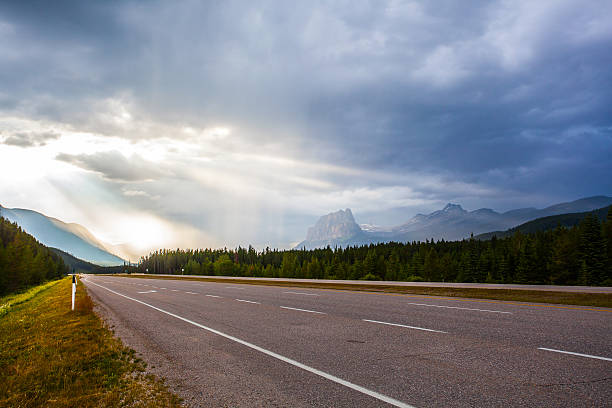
(224, 344)
(545, 288)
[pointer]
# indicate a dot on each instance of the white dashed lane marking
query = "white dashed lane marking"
(301, 310)
(403, 325)
(576, 354)
(456, 307)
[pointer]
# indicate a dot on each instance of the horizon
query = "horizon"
(198, 125)
(114, 249)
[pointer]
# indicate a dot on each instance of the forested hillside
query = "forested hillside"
(580, 255)
(24, 261)
(80, 266)
(545, 223)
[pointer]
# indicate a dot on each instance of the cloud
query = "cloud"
(136, 193)
(29, 139)
(268, 114)
(114, 166)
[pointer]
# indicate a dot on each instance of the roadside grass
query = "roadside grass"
(15, 299)
(51, 356)
(514, 295)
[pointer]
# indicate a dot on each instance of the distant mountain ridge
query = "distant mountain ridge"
(68, 237)
(81, 266)
(450, 223)
(547, 223)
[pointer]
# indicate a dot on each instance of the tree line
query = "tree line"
(25, 262)
(579, 255)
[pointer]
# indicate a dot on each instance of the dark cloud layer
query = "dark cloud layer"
(511, 96)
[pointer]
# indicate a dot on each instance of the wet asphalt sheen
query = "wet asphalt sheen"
(223, 344)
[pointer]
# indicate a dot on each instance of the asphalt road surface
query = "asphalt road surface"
(546, 288)
(223, 344)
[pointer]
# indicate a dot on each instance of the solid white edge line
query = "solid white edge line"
(576, 354)
(301, 310)
(247, 301)
(302, 293)
(287, 360)
(403, 325)
(457, 307)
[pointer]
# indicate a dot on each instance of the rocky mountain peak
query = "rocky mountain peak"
(450, 207)
(339, 224)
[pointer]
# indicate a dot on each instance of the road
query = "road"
(222, 344)
(545, 288)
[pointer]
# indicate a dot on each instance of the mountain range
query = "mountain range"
(450, 223)
(335, 229)
(546, 223)
(69, 237)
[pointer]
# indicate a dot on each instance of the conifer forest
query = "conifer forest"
(24, 262)
(579, 255)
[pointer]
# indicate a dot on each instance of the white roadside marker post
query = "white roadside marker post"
(73, 289)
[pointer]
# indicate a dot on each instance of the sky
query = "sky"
(210, 124)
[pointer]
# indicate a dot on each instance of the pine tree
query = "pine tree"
(289, 265)
(334, 268)
(224, 266)
(3, 266)
(525, 269)
(416, 265)
(448, 272)
(192, 267)
(564, 265)
(607, 229)
(593, 251)
(314, 269)
(430, 266)
(465, 271)
(486, 267)
(504, 268)
(369, 264)
(393, 267)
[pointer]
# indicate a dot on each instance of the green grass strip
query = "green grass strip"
(51, 356)
(15, 299)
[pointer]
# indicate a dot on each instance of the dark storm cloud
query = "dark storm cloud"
(511, 94)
